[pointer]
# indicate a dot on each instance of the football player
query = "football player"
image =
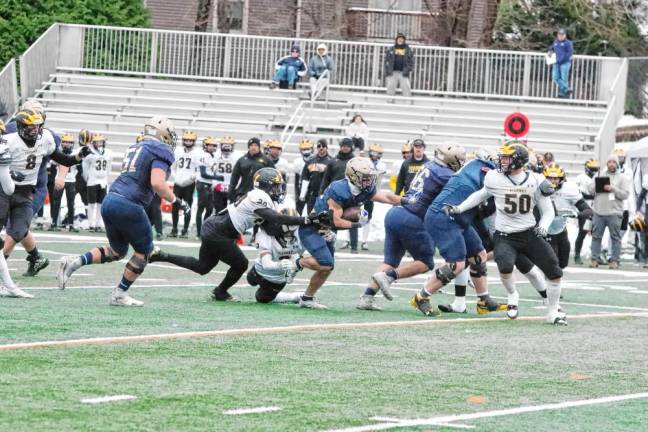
(95, 171)
(313, 173)
(205, 182)
(516, 193)
(357, 188)
(275, 150)
(306, 151)
(144, 172)
(224, 165)
(375, 155)
(566, 198)
(221, 231)
(583, 182)
(67, 147)
(7, 288)
(184, 180)
(404, 228)
(275, 267)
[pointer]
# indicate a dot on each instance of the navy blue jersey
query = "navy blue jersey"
(461, 185)
(134, 182)
(340, 192)
(425, 186)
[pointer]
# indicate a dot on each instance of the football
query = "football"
(351, 214)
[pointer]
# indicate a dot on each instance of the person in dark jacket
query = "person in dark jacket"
(410, 167)
(336, 170)
(564, 50)
(313, 173)
(244, 169)
(399, 62)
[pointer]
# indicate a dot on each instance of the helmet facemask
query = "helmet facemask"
(30, 133)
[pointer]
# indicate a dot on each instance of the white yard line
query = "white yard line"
(445, 425)
(103, 399)
(239, 411)
(294, 329)
(435, 421)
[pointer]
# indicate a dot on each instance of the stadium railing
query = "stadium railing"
(9, 99)
(606, 137)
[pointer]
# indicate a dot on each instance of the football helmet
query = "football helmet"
(162, 129)
(406, 148)
(512, 155)
(270, 181)
(67, 142)
(189, 139)
(555, 174)
(139, 138)
(265, 147)
(375, 151)
(209, 144)
(621, 154)
(85, 137)
(451, 155)
(29, 125)
(592, 166)
(306, 147)
(637, 223)
(99, 143)
(34, 105)
(227, 144)
(361, 173)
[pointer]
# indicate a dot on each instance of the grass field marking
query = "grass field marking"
(103, 399)
(291, 329)
(435, 421)
(445, 425)
(259, 410)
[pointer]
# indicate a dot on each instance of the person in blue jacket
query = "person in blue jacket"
(289, 68)
(564, 50)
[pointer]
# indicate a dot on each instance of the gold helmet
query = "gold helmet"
(29, 125)
(406, 148)
(85, 137)
(67, 142)
(620, 154)
(227, 144)
(361, 173)
(518, 153)
(275, 143)
(189, 138)
(637, 223)
(3, 128)
(375, 151)
(592, 166)
(209, 141)
(306, 146)
(451, 155)
(162, 129)
(99, 142)
(555, 171)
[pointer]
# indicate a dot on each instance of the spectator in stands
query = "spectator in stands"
(410, 167)
(318, 64)
(288, 69)
(244, 169)
(563, 50)
(608, 211)
(358, 131)
(313, 174)
(399, 62)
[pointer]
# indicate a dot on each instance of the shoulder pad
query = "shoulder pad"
(546, 189)
(161, 151)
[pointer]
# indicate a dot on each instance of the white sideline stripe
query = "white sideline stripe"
(496, 413)
(258, 410)
(102, 399)
(291, 329)
(445, 425)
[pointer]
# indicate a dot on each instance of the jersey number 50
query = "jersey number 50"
(515, 204)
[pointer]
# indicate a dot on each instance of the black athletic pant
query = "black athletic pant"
(578, 244)
(155, 214)
(538, 250)
(185, 193)
(561, 246)
(205, 203)
(55, 205)
(81, 187)
(267, 290)
(50, 191)
(70, 195)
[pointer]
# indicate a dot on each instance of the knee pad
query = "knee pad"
(478, 270)
(136, 264)
(107, 255)
(445, 273)
(265, 294)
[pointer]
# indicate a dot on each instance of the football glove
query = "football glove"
(329, 236)
(84, 152)
(182, 205)
(17, 176)
(450, 209)
(540, 231)
(324, 218)
(288, 266)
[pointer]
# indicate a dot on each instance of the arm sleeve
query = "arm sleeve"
(474, 200)
(8, 186)
(204, 174)
(547, 210)
(268, 264)
(273, 217)
(63, 159)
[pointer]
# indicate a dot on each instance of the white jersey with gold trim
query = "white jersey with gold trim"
(564, 200)
(224, 165)
(207, 160)
(186, 165)
(27, 160)
(242, 211)
(290, 248)
(515, 199)
(96, 167)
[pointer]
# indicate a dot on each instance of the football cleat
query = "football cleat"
(64, 271)
(173, 234)
(512, 311)
(121, 298)
(184, 234)
(489, 305)
(35, 266)
(556, 318)
(14, 292)
(384, 282)
(367, 302)
(423, 304)
(224, 296)
(311, 304)
(450, 309)
(157, 255)
(286, 297)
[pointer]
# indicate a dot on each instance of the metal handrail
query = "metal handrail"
(614, 112)
(9, 87)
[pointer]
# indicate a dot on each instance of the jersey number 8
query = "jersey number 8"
(515, 204)
(31, 162)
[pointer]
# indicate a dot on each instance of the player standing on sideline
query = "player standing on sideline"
(306, 151)
(355, 189)
(205, 183)
(410, 167)
(275, 149)
(313, 173)
(221, 231)
(404, 228)
(406, 152)
(96, 167)
(67, 146)
(583, 182)
(375, 154)
(516, 193)
(184, 180)
(457, 239)
(566, 198)
(225, 161)
(144, 171)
